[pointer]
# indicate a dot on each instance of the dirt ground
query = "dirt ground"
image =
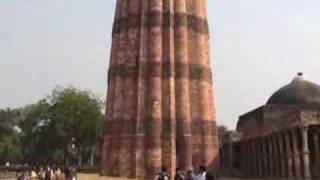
(97, 177)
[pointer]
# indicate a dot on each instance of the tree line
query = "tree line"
(63, 127)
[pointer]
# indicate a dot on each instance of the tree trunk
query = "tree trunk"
(66, 154)
(92, 153)
(79, 158)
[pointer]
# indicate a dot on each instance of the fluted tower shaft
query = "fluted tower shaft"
(160, 104)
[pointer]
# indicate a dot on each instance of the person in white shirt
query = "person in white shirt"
(202, 173)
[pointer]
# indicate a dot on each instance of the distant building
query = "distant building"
(279, 139)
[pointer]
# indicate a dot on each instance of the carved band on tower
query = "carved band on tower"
(160, 104)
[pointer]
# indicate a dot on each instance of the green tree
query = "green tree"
(10, 149)
(33, 126)
(64, 126)
(75, 119)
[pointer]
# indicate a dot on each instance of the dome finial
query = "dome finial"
(299, 77)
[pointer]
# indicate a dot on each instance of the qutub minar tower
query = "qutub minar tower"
(160, 104)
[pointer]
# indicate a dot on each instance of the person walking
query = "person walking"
(179, 175)
(41, 173)
(33, 174)
(48, 173)
(190, 175)
(67, 172)
(210, 176)
(73, 173)
(163, 175)
(57, 174)
(24, 175)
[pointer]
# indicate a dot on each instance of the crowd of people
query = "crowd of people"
(70, 173)
(201, 174)
(48, 173)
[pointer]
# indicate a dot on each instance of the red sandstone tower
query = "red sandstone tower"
(160, 104)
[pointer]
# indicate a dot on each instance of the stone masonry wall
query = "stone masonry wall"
(160, 103)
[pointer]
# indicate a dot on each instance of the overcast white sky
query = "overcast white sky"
(257, 46)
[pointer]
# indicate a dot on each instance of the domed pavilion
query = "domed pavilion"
(279, 139)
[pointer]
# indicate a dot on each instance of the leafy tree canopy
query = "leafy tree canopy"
(65, 123)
